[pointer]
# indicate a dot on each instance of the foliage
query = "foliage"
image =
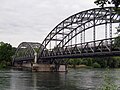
(117, 42)
(37, 50)
(6, 53)
(96, 65)
(101, 62)
(101, 3)
(3, 64)
(74, 62)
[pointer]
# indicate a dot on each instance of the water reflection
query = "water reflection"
(4, 80)
(21, 80)
(75, 79)
(45, 81)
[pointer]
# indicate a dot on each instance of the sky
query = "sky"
(32, 20)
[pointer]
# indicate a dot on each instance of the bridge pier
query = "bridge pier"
(49, 68)
(41, 67)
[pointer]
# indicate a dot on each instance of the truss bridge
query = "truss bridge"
(89, 33)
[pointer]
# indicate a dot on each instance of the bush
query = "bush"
(96, 65)
(3, 65)
(85, 62)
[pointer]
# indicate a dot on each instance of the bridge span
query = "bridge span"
(88, 33)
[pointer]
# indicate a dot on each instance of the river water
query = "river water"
(74, 79)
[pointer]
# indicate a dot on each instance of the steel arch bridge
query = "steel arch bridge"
(85, 34)
(26, 51)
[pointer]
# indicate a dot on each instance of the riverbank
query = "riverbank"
(79, 66)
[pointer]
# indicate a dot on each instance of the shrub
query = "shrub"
(96, 65)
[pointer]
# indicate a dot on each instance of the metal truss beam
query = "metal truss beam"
(78, 24)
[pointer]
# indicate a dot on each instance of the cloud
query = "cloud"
(32, 20)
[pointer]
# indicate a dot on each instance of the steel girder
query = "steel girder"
(26, 51)
(76, 24)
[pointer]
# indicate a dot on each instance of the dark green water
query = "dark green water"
(74, 79)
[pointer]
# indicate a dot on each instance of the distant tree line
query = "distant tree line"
(99, 62)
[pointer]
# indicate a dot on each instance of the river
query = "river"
(74, 79)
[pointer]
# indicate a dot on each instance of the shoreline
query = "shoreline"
(79, 66)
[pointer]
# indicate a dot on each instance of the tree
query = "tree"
(6, 53)
(117, 42)
(101, 3)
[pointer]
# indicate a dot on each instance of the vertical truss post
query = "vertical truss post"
(106, 30)
(84, 34)
(75, 37)
(71, 39)
(71, 33)
(110, 27)
(68, 39)
(81, 37)
(50, 43)
(63, 35)
(81, 41)
(56, 39)
(94, 31)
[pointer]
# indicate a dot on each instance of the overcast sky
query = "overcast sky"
(32, 20)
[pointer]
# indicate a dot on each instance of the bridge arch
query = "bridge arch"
(77, 24)
(26, 51)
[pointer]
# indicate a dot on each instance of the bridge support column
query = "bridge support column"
(35, 59)
(49, 68)
(60, 68)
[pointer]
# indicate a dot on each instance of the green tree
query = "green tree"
(117, 42)
(96, 65)
(6, 53)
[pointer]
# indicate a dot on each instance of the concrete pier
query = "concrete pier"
(48, 68)
(42, 67)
